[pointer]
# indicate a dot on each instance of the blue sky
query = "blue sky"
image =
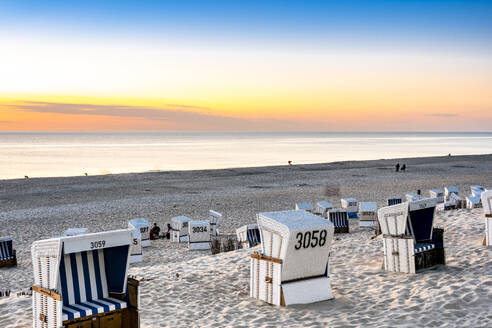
(404, 24)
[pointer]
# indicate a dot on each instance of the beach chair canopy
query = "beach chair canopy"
(487, 202)
(304, 206)
(198, 231)
(323, 207)
(411, 218)
(455, 198)
(477, 192)
(413, 197)
(180, 223)
(136, 246)
(339, 217)
(451, 190)
(349, 202)
(472, 201)
(214, 216)
(477, 187)
(436, 192)
(371, 207)
(86, 269)
(6, 248)
(75, 231)
(300, 239)
(143, 225)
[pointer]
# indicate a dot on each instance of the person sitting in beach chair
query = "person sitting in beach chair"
(292, 266)
(81, 281)
(155, 231)
(8, 257)
(410, 242)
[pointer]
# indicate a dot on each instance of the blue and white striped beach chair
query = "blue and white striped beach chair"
(7, 253)
(339, 218)
(82, 280)
(410, 242)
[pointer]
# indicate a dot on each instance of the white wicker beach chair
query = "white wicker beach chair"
(304, 206)
(292, 267)
(339, 218)
(179, 226)
(81, 281)
(248, 235)
(411, 197)
(352, 207)
(368, 214)
(136, 253)
(410, 242)
(473, 202)
(323, 207)
(214, 219)
(448, 191)
(144, 227)
(487, 209)
(199, 235)
(8, 257)
(438, 194)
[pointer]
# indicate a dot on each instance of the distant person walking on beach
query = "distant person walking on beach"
(397, 167)
(290, 162)
(403, 168)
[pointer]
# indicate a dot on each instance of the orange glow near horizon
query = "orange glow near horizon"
(217, 89)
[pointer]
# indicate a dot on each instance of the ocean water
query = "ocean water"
(75, 153)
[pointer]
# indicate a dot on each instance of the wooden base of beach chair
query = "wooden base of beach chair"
(9, 263)
(341, 229)
(123, 318)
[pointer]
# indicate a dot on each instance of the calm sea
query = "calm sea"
(76, 153)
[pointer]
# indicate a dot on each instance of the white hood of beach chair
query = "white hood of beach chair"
(487, 201)
(284, 235)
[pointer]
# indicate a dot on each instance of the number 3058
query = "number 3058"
(310, 239)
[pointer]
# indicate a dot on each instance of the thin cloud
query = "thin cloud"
(443, 115)
(180, 115)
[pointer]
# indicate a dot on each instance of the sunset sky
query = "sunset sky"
(246, 65)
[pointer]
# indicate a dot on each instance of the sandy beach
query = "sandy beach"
(197, 289)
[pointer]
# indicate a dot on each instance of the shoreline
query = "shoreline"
(379, 162)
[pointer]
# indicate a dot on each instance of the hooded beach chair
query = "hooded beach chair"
(487, 209)
(477, 190)
(292, 266)
(454, 198)
(81, 281)
(473, 202)
(368, 214)
(339, 218)
(438, 194)
(411, 197)
(8, 256)
(248, 235)
(179, 226)
(199, 235)
(448, 191)
(304, 206)
(352, 207)
(410, 242)
(323, 207)
(75, 231)
(144, 227)
(214, 219)
(394, 200)
(136, 253)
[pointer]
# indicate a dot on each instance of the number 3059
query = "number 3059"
(310, 239)
(98, 244)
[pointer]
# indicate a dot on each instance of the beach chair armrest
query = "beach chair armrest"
(47, 292)
(133, 293)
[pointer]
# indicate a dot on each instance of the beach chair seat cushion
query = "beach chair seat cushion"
(419, 248)
(84, 285)
(95, 306)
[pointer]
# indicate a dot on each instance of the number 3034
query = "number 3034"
(310, 239)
